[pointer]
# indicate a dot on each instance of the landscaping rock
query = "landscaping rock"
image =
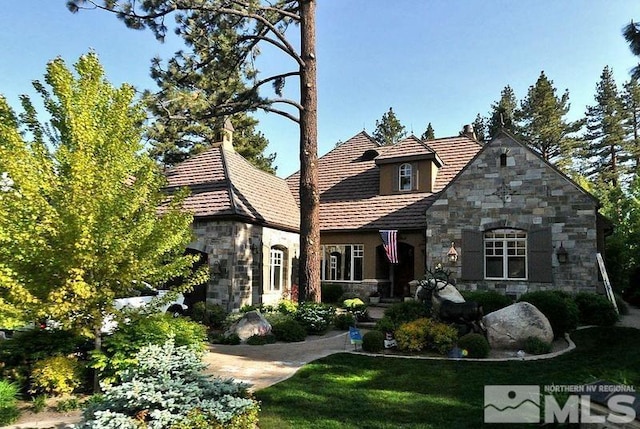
(252, 323)
(509, 327)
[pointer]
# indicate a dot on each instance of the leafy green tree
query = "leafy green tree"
(429, 133)
(389, 130)
(237, 30)
(604, 140)
(542, 125)
(502, 113)
(79, 222)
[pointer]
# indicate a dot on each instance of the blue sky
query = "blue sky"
(438, 61)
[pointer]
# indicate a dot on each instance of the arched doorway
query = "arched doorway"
(400, 274)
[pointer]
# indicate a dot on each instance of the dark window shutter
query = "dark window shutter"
(396, 178)
(540, 249)
(414, 177)
(472, 255)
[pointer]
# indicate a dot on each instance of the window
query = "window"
(505, 254)
(405, 177)
(276, 268)
(342, 262)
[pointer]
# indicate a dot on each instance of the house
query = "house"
(497, 216)
(246, 225)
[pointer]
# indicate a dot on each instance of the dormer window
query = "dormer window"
(405, 177)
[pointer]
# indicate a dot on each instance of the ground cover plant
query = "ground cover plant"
(351, 391)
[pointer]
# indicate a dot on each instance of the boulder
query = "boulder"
(252, 323)
(448, 293)
(509, 327)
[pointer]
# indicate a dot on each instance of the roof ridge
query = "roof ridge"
(229, 182)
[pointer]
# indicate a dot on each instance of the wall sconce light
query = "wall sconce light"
(562, 254)
(452, 254)
(218, 270)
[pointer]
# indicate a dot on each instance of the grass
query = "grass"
(352, 391)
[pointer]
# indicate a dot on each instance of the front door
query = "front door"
(400, 274)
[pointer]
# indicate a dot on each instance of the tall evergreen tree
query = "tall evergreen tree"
(429, 133)
(631, 33)
(190, 83)
(502, 113)
(604, 140)
(480, 127)
(389, 130)
(542, 125)
(631, 100)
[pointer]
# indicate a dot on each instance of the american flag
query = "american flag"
(390, 240)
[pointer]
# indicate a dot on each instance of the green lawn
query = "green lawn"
(350, 391)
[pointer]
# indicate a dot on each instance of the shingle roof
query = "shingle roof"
(349, 183)
(411, 148)
(224, 184)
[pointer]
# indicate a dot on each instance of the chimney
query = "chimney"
(225, 136)
(468, 131)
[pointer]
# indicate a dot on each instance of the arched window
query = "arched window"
(405, 177)
(505, 254)
(276, 269)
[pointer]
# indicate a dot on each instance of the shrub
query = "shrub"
(38, 403)
(287, 306)
(315, 317)
(66, 405)
(342, 321)
(57, 375)
(167, 389)
(9, 411)
(536, 346)
(231, 339)
(623, 308)
(331, 292)
(288, 329)
(385, 325)
(20, 353)
(373, 341)
(423, 334)
(489, 300)
(261, 340)
(210, 315)
(403, 312)
(356, 307)
(119, 349)
(476, 345)
(595, 309)
(558, 307)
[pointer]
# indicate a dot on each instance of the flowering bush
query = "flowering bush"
(315, 317)
(168, 390)
(422, 334)
(57, 375)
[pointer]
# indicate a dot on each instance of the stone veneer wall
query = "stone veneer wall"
(239, 260)
(526, 192)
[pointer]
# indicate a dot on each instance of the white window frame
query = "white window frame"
(509, 245)
(405, 171)
(276, 259)
(330, 264)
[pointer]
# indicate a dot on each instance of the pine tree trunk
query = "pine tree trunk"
(97, 336)
(309, 288)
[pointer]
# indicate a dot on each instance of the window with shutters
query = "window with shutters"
(505, 254)
(405, 177)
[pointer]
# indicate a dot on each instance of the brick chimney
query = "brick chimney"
(468, 131)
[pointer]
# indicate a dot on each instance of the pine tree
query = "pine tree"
(631, 100)
(604, 140)
(631, 34)
(389, 130)
(542, 125)
(429, 133)
(192, 83)
(502, 113)
(480, 127)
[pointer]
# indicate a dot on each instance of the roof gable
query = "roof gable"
(224, 184)
(409, 149)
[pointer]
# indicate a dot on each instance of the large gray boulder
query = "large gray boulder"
(509, 327)
(252, 323)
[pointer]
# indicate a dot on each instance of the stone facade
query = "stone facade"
(239, 261)
(508, 186)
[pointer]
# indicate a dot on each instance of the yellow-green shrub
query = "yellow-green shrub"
(57, 375)
(426, 334)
